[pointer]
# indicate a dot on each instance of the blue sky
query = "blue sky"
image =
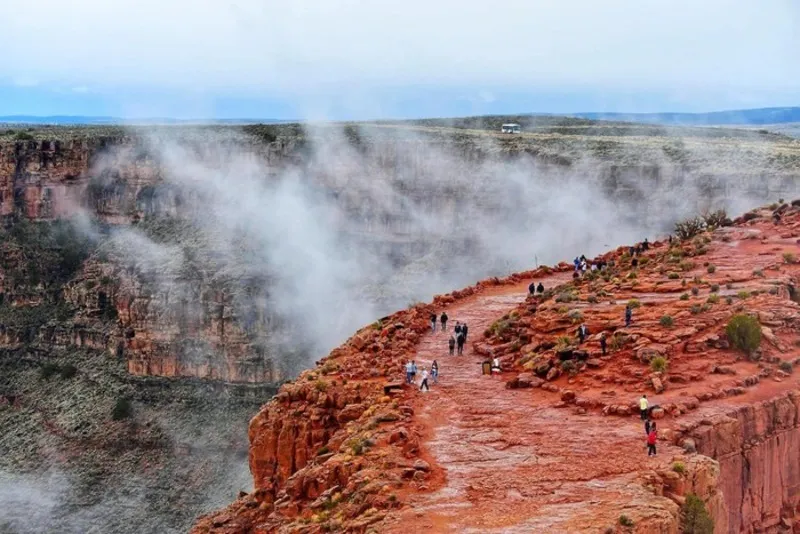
(341, 59)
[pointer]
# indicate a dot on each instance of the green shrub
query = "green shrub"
(685, 296)
(562, 342)
(631, 275)
(592, 299)
(658, 364)
(700, 251)
(568, 366)
(634, 303)
(23, 136)
(686, 265)
(323, 450)
(122, 410)
(321, 386)
(788, 257)
(743, 295)
(673, 276)
(759, 273)
(666, 321)
(48, 370)
(744, 333)
(68, 371)
(713, 299)
(625, 521)
(566, 296)
(679, 467)
(575, 315)
(694, 516)
(714, 288)
(786, 367)
(710, 269)
(729, 286)
(695, 291)
(695, 309)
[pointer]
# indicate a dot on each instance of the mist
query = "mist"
(370, 219)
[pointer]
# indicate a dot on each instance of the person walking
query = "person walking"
(495, 369)
(464, 329)
(413, 370)
(460, 343)
(652, 437)
(435, 371)
(628, 315)
(443, 318)
(424, 382)
(603, 343)
(643, 407)
(451, 343)
(433, 323)
(409, 372)
(647, 425)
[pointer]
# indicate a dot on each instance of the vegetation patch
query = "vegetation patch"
(744, 333)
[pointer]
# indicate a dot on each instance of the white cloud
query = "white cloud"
(305, 47)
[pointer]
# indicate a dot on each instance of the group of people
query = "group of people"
(534, 289)
(411, 374)
(459, 336)
(649, 426)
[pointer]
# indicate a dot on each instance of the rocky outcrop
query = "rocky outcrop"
(756, 446)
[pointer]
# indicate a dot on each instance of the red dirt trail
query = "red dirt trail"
(512, 462)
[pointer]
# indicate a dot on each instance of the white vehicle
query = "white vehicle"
(511, 128)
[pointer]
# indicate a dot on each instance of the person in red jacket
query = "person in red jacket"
(651, 440)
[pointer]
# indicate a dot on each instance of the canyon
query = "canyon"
(555, 443)
(157, 286)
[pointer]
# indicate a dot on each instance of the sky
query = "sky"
(356, 59)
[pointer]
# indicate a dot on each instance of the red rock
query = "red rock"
(568, 395)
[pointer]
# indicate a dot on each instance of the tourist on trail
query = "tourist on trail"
(577, 263)
(458, 328)
(532, 288)
(670, 239)
(540, 288)
(424, 382)
(460, 343)
(451, 344)
(435, 372)
(645, 244)
(433, 322)
(628, 315)
(652, 436)
(632, 251)
(495, 366)
(443, 318)
(409, 372)
(413, 370)
(647, 425)
(582, 332)
(603, 344)
(634, 263)
(464, 329)
(643, 407)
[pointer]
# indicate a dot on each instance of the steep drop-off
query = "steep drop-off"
(555, 444)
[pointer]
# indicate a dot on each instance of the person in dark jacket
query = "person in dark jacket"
(582, 332)
(464, 329)
(532, 288)
(460, 343)
(443, 318)
(628, 315)
(451, 343)
(603, 344)
(540, 288)
(433, 322)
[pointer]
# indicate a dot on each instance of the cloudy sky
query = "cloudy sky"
(374, 58)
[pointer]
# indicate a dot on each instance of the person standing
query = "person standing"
(582, 331)
(451, 343)
(409, 372)
(603, 344)
(540, 288)
(643, 407)
(628, 315)
(495, 369)
(460, 343)
(424, 382)
(443, 318)
(652, 437)
(464, 328)
(433, 323)
(413, 370)
(532, 288)
(435, 371)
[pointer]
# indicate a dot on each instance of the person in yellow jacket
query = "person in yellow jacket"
(643, 407)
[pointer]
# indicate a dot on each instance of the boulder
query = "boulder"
(648, 352)
(553, 373)
(568, 395)
(658, 385)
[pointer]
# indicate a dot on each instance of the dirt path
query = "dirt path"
(512, 462)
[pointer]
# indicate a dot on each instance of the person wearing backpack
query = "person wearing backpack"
(443, 318)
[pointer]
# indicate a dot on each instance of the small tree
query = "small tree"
(122, 410)
(658, 364)
(744, 333)
(694, 516)
(689, 228)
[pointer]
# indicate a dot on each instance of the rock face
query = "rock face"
(756, 447)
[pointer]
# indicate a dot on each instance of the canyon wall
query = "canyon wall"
(756, 446)
(422, 207)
